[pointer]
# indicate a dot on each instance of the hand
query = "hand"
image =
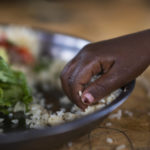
(119, 61)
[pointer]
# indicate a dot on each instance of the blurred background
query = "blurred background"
(95, 20)
(92, 19)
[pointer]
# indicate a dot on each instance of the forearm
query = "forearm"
(142, 41)
(136, 45)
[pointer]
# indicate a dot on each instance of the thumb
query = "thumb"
(102, 87)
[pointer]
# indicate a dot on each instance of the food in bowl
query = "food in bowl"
(38, 100)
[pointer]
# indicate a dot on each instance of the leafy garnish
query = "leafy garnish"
(41, 65)
(13, 88)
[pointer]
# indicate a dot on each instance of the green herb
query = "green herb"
(41, 65)
(13, 88)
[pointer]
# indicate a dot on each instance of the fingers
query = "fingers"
(103, 86)
(76, 77)
(65, 76)
(80, 78)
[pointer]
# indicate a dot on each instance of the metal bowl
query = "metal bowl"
(60, 47)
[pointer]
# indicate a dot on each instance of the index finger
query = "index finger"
(80, 79)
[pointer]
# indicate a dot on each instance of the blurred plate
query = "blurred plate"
(60, 47)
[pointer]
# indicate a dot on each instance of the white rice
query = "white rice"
(117, 115)
(15, 121)
(64, 100)
(109, 140)
(121, 147)
(49, 106)
(103, 101)
(37, 112)
(1, 120)
(108, 124)
(39, 116)
(129, 113)
(19, 107)
(69, 144)
(80, 93)
(10, 115)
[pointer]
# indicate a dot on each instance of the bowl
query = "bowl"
(60, 47)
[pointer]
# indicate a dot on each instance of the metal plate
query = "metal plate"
(60, 47)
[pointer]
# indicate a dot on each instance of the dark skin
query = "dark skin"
(119, 60)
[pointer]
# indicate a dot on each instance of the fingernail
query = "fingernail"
(87, 98)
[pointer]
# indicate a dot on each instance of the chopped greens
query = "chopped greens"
(13, 88)
(41, 65)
